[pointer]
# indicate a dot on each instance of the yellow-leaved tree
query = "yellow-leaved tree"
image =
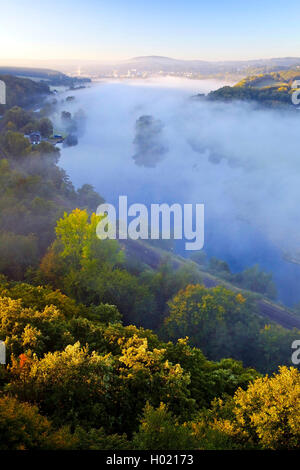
(268, 412)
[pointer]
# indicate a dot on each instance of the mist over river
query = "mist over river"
(242, 162)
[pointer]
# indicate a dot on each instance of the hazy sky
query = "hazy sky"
(120, 29)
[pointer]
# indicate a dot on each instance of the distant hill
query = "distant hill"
(272, 89)
(45, 74)
(52, 77)
(156, 64)
(22, 91)
(272, 79)
(285, 62)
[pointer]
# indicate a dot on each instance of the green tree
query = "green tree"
(256, 280)
(15, 144)
(18, 116)
(267, 413)
(17, 253)
(23, 428)
(73, 386)
(160, 430)
(217, 320)
(45, 127)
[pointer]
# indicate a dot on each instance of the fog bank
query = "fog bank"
(240, 161)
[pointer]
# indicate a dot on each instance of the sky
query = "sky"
(104, 30)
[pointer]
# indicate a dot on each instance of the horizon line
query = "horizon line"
(153, 56)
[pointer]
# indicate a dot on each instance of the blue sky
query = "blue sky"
(120, 29)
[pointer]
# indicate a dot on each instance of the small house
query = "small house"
(35, 138)
(59, 138)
